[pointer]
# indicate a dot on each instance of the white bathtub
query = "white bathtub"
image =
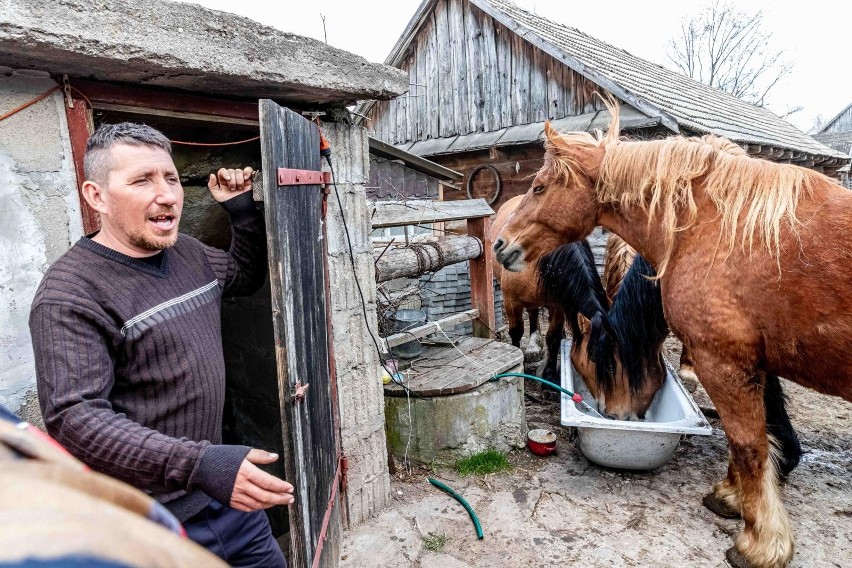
(622, 444)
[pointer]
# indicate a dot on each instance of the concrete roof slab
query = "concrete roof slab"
(187, 47)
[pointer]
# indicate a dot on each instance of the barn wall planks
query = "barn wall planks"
(469, 73)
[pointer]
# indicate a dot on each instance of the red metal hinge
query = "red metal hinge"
(289, 176)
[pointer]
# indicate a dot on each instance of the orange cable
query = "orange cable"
(30, 103)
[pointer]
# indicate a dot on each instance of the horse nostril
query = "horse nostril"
(499, 244)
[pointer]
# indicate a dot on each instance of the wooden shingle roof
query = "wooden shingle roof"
(651, 87)
(663, 96)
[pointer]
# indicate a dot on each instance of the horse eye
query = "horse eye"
(538, 189)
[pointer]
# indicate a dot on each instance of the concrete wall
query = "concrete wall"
(39, 220)
(360, 392)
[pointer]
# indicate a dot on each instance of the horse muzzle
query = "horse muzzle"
(510, 256)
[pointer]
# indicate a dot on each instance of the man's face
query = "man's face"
(143, 198)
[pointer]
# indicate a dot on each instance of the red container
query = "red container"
(541, 442)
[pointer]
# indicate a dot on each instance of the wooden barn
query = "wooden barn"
(485, 75)
(837, 133)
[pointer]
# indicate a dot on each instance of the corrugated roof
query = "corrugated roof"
(690, 103)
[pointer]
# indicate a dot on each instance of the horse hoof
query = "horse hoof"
(736, 559)
(720, 507)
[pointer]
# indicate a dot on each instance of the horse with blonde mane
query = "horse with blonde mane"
(753, 274)
(520, 293)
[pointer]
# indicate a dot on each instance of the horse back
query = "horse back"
(790, 314)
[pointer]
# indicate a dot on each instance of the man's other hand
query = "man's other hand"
(226, 184)
(255, 489)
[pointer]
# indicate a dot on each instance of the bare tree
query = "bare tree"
(730, 50)
(817, 124)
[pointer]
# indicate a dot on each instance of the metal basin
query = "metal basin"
(639, 445)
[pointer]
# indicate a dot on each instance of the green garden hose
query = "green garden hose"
(574, 396)
(464, 504)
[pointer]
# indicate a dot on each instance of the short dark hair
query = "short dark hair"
(96, 165)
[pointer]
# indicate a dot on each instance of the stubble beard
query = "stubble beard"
(153, 243)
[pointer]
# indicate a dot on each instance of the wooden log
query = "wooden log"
(425, 255)
(421, 331)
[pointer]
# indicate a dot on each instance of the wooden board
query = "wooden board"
(430, 328)
(444, 370)
(299, 307)
(400, 213)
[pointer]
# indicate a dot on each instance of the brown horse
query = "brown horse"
(520, 292)
(754, 277)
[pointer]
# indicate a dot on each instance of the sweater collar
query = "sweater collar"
(111, 254)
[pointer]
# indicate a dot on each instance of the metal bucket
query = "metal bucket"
(403, 321)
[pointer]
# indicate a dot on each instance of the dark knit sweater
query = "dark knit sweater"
(129, 362)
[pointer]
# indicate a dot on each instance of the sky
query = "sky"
(813, 39)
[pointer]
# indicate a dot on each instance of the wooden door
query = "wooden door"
(297, 262)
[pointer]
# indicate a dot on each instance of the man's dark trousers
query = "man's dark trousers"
(240, 539)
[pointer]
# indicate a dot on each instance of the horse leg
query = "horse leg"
(686, 372)
(535, 346)
(515, 318)
(767, 541)
(553, 340)
(724, 499)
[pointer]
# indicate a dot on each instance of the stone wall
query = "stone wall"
(39, 220)
(360, 393)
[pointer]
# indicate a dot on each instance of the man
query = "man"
(128, 347)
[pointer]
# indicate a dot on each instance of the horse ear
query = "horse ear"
(554, 137)
(584, 324)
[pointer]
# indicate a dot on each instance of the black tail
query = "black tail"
(778, 425)
(638, 323)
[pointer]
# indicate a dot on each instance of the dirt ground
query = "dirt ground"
(564, 511)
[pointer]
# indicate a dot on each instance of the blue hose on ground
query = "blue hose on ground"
(464, 504)
(574, 396)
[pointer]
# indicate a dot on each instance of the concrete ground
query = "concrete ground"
(562, 510)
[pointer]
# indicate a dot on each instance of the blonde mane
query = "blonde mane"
(753, 197)
(617, 261)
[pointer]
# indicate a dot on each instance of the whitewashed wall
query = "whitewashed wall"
(39, 220)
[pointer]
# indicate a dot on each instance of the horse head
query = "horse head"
(561, 205)
(616, 350)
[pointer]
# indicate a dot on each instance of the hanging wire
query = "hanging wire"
(28, 104)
